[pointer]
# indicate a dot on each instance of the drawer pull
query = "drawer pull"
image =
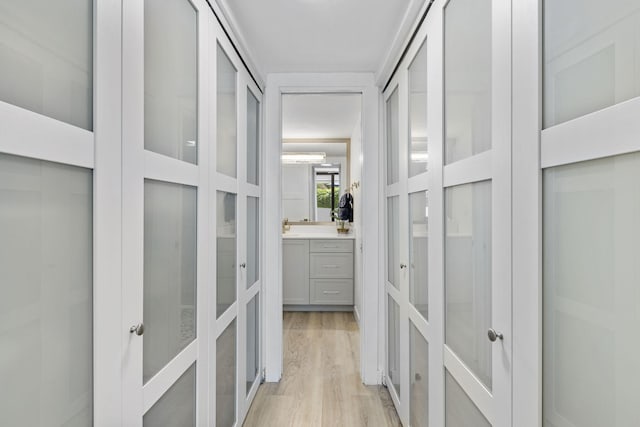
(330, 266)
(329, 247)
(330, 292)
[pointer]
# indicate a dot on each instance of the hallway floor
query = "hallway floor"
(321, 383)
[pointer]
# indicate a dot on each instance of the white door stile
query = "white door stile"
(211, 123)
(527, 213)
(501, 212)
(204, 283)
(435, 130)
(107, 185)
(241, 221)
(132, 208)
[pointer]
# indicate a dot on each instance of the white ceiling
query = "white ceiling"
(332, 149)
(320, 116)
(320, 35)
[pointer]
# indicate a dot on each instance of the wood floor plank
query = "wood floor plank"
(321, 385)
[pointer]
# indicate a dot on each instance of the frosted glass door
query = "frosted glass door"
(393, 241)
(164, 212)
(393, 344)
(46, 293)
(393, 138)
(419, 252)
(226, 241)
(468, 74)
(591, 293)
(418, 153)
(468, 276)
(477, 212)
(226, 116)
(226, 377)
(169, 272)
(46, 58)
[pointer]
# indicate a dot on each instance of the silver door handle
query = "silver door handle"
(403, 266)
(330, 266)
(138, 329)
(493, 335)
(243, 265)
(330, 292)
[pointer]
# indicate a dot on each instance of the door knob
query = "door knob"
(403, 265)
(243, 265)
(138, 329)
(493, 335)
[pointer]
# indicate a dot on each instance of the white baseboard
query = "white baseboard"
(356, 314)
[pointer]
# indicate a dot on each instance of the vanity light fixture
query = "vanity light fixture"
(304, 157)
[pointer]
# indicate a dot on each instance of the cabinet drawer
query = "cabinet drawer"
(331, 291)
(331, 245)
(330, 265)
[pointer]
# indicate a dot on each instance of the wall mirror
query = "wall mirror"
(316, 153)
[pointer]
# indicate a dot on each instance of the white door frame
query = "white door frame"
(526, 213)
(278, 84)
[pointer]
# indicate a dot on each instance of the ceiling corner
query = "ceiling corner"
(234, 31)
(401, 39)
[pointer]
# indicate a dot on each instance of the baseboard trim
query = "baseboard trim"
(305, 307)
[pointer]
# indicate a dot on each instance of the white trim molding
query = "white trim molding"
(278, 84)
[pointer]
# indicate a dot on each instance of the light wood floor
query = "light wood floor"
(321, 385)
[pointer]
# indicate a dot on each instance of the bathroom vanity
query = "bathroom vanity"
(317, 272)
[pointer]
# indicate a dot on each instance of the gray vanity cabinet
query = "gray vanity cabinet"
(295, 271)
(318, 272)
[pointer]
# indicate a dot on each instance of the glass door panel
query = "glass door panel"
(393, 344)
(226, 120)
(46, 58)
(460, 411)
(177, 406)
(590, 57)
(418, 378)
(418, 152)
(591, 292)
(468, 276)
(170, 91)
(468, 74)
(169, 272)
(393, 138)
(419, 252)
(393, 240)
(253, 341)
(253, 139)
(46, 293)
(253, 240)
(226, 251)
(226, 377)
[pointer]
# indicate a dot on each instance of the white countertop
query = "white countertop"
(316, 232)
(335, 235)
